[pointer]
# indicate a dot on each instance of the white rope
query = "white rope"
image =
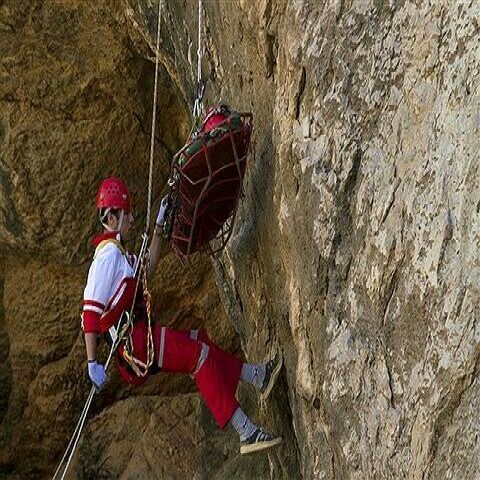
(76, 434)
(200, 46)
(198, 107)
(80, 425)
(154, 116)
(72, 445)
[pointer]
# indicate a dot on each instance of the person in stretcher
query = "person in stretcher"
(150, 348)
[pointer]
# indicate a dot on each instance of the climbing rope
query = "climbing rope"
(154, 116)
(139, 267)
(140, 368)
(198, 105)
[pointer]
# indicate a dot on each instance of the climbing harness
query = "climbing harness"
(127, 296)
(126, 319)
(141, 368)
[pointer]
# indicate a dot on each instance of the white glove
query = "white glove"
(161, 211)
(96, 372)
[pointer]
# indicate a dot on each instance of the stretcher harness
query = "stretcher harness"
(206, 182)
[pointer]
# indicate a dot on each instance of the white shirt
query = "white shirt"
(105, 282)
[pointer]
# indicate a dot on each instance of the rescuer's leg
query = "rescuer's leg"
(217, 375)
(252, 437)
(262, 375)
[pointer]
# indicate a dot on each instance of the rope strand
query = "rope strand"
(154, 116)
(200, 46)
(198, 107)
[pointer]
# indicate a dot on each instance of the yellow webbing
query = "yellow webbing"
(110, 240)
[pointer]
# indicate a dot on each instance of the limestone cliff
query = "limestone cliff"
(355, 251)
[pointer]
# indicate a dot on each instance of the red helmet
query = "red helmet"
(214, 117)
(113, 193)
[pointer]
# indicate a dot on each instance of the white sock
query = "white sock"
(253, 373)
(242, 424)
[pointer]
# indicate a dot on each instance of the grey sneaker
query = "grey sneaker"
(272, 369)
(259, 440)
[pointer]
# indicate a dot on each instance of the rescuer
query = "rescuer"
(150, 348)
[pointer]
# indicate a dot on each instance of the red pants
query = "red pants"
(216, 372)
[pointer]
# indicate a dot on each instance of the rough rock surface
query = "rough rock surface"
(355, 250)
(358, 250)
(169, 437)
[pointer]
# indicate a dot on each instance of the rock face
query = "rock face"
(358, 250)
(172, 437)
(355, 250)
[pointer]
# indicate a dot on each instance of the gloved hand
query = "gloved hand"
(96, 372)
(162, 211)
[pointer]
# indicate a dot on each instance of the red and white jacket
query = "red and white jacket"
(110, 284)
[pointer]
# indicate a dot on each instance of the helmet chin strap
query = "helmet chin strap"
(119, 225)
(120, 222)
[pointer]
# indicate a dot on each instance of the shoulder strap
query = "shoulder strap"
(109, 240)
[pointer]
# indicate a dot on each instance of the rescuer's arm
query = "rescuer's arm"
(96, 295)
(96, 371)
(155, 246)
(91, 345)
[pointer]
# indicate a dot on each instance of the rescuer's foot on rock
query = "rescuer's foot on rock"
(259, 440)
(272, 369)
